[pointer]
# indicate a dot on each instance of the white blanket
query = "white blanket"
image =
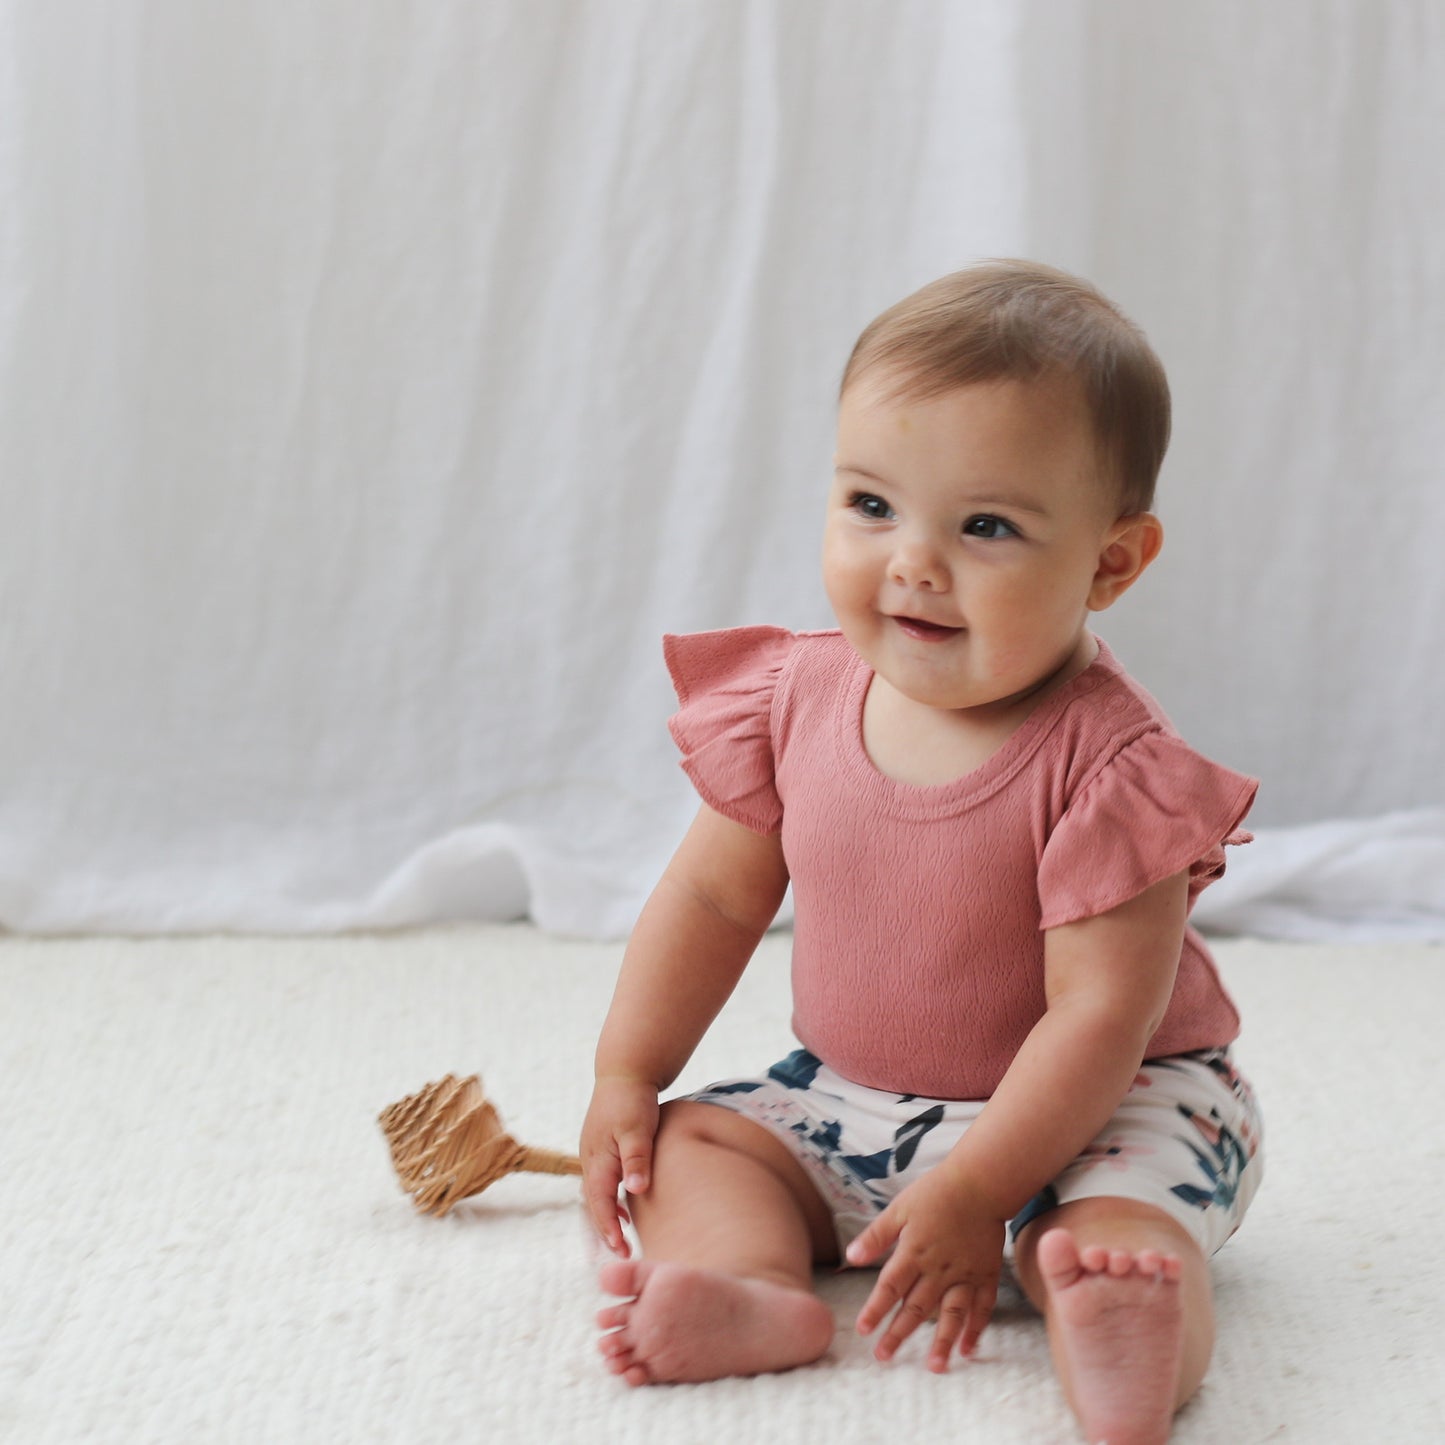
(201, 1239)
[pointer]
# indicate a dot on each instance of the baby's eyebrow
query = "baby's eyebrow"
(1011, 504)
(860, 472)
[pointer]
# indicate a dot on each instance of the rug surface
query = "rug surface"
(201, 1238)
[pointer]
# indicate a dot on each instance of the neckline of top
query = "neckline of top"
(922, 800)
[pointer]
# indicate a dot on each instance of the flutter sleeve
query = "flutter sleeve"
(725, 683)
(1154, 809)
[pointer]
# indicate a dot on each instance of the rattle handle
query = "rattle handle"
(548, 1161)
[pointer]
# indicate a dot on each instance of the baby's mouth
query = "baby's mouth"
(916, 627)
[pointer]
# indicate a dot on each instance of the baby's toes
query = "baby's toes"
(622, 1277)
(618, 1364)
(1149, 1263)
(615, 1347)
(619, 1358)
(613, 1316)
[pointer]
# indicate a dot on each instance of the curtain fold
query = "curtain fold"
(378, 385)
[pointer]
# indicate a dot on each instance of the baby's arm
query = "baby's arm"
(692, 941)
(1108, 982)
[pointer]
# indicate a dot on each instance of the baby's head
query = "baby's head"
(1022, 321)
(999, 435)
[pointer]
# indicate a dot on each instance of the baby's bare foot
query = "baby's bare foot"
(1119, 1324)
(681, 1323)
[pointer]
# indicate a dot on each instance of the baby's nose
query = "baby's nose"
(916, 563)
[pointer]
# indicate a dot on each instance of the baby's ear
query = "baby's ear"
(1130, 545)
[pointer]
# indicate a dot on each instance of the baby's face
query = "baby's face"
(964, 535)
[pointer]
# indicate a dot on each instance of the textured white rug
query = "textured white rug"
(201, 1238)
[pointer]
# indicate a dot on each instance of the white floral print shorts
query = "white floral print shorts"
(1186, 1138)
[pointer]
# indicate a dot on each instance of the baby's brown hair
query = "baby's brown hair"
(1019, 321)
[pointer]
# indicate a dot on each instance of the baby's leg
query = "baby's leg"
(1130, 1312)
(730, 1230)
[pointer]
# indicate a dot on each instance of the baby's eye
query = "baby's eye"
(991, 529)
(866, 504)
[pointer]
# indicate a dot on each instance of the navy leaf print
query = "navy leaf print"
(910, 1135)
(797, 1071)
(870, 1166)
(1190, 1194)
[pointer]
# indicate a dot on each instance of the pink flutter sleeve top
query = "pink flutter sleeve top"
(919, 912)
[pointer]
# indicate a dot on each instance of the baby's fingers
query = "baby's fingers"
(888, 1290)
(874, 1242)
(963, 1314)
(600, 1189)
(903, 1290)
(985, 1297)
(635, 1149)
(914, 1309)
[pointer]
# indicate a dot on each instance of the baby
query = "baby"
(1012, 1041)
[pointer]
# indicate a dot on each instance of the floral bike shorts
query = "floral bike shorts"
(1185, 1138)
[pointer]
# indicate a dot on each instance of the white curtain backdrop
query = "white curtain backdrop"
(378, 382)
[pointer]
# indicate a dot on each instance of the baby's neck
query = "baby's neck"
(927, 747)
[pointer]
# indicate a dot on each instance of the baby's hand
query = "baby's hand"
(616, 1150)
(947, 1257)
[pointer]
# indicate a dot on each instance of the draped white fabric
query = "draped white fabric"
(379, 382)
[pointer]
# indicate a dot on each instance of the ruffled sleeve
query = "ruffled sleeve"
(1154, 809)
(725, 683)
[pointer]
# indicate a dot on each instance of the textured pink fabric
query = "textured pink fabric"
(919, 911)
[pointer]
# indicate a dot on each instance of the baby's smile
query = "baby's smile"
(924, 631)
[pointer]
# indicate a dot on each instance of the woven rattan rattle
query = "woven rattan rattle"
(447, 1143)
